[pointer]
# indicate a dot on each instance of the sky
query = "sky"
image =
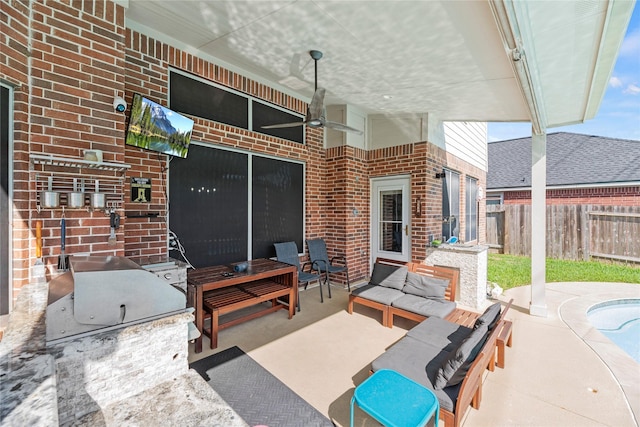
(619, 113)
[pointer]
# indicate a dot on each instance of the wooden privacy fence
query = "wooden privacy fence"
(576, 232)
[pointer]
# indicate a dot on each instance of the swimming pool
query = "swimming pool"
(619, 320)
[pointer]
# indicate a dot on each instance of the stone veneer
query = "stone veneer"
(96, 371)
(114, 378)
(472, 263)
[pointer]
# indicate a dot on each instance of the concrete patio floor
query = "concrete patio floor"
(553, 375)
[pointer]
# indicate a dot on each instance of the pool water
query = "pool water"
(619, 320)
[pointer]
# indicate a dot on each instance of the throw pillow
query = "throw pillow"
(390, 276)
(489, 317)
(455, 367)
(425, 286)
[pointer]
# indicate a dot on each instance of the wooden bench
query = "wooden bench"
(388, 312)
(233, 298)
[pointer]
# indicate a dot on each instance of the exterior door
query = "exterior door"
(390, 228)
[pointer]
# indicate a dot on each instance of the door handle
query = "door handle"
(406, 230)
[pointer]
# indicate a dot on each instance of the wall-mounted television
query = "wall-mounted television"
(157, 128)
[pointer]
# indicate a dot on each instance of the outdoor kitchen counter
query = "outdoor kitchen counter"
(28, 394)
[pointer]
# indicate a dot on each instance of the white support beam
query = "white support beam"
(538, 305)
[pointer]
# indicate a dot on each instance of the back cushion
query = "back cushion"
(489, 317)
(390, 276)
(425, 286)
(455, 367)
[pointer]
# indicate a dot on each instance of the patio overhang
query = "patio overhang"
(547, 63)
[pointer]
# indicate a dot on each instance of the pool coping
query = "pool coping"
(573, 313)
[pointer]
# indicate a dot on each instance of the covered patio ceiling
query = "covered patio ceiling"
(547, 62)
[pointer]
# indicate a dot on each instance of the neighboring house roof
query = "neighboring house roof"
(572, 160)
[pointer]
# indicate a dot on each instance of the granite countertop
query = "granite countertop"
(460, 247)
(28, 394)
(27, 380)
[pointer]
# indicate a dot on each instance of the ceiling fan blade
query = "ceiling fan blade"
(283, 125)
(341, 127)
(316, 106)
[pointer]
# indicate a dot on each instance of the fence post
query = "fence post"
(585, 223)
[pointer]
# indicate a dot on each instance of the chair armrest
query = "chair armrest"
(320, 265)
(304, 265)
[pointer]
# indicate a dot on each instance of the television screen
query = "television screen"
(157, 128)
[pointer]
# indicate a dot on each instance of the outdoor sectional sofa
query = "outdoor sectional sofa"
(411, 290)
(449, 359)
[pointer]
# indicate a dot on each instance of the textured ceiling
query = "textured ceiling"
(396, 57)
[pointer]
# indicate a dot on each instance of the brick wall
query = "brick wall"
(81, 56)
(147, 72)
(75, 64)
(610, 196)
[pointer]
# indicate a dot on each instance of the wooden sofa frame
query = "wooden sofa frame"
(470, 393)
(388, 312)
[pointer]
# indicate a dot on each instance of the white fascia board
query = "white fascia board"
(512, 19)
(613, 32)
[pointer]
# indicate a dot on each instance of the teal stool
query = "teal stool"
(395, 400)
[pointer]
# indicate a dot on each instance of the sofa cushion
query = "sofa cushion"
(424, 306)
(425, 286)
(389, 276)
(377, 293)
(455, 366)
(440, 333)
(418, 361)
(489, 317)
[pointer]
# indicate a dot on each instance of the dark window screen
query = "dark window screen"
(277, 198)
(266, 115)
(191, 96)
(209, 208)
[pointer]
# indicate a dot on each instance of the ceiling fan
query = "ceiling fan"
(316, 115)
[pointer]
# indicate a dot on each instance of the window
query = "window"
(228, 206)
(450, 205)
(201, 98)
(471, 209)
(494, 198)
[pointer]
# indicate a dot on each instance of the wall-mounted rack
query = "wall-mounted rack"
(63, 172)
(67, 162)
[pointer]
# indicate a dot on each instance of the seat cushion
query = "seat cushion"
(389, 276)
(418, 361)
(304, 277)
(425, 286)
(377, 293)
(425, 306)
(455, 366)
(440, 333)
(490, 317)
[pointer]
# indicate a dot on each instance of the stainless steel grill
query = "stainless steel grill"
(103, 293)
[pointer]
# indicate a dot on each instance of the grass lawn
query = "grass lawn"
(510, 271)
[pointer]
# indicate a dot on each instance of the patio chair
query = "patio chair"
(322, 264)
(287, 252)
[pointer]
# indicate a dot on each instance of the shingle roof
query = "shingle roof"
(572, 159)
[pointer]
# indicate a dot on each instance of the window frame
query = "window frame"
(250, 209)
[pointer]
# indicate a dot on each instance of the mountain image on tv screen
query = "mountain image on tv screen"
(157, 128)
